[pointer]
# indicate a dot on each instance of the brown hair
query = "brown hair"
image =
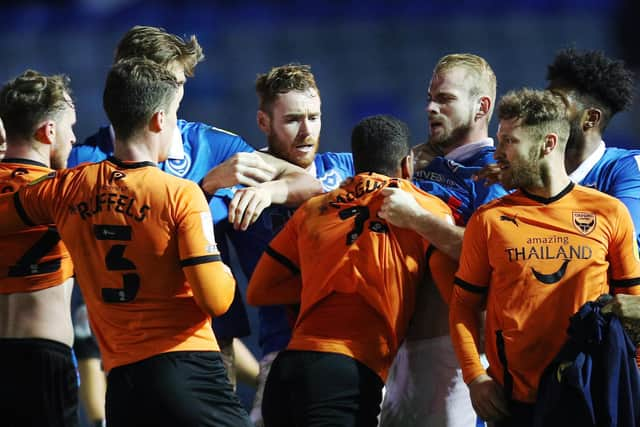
(135, 90)
(283, 79)
(31, 98)
(540, 110)
(157, 45)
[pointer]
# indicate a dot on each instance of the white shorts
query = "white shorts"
(425, 388)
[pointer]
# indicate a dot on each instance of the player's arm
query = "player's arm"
(624, 263)
(468, 299)
(210, 279)
(402, 210)
(30, 206)
(276, 279)
(625, 186)
(442, 269)
(291, 190)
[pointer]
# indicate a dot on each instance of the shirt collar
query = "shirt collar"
(465, 151)
(585, 167)
(176, 150)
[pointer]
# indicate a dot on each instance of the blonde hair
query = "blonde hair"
(483, 78)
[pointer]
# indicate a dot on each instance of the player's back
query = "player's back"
(121, 222)
(346, 250)
(33, 259)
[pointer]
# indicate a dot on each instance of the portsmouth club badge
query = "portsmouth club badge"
(584, 222)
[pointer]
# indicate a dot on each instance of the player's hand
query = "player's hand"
(487, 398)
(624, 306)
(627, 308)
(490, 174)
(247, 169)
(422, 155)
(399, 207)
(247, 205)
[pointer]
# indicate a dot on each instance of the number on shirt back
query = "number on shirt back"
(29, 264)
(361, 214)
(116, 261)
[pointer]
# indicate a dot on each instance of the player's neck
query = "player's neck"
(25, 150)
(576, 154)
(553, 181)
(135, 151)
(474, 135)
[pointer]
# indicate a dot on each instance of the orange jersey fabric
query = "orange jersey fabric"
(353, 274)
(535, 262)
(32, 259)
(131, 229)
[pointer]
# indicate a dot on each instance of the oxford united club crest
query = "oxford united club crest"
(584, 222)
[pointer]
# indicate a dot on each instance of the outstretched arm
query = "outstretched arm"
(402, 210)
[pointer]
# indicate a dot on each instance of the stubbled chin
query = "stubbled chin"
(302, 159)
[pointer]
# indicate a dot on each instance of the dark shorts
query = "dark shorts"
(38, 383)
(182, 388)
(306, 389)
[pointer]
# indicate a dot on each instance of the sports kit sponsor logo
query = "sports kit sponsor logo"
(18, 172)
(551, 278)
(116, 176)
(509, 219)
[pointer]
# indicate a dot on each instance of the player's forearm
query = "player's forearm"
(443, 235)
(292, 190)
(464, 329)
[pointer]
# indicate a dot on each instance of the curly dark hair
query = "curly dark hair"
(379, 143)
(592, 74)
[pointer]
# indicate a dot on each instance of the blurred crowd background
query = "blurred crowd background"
(368, 57)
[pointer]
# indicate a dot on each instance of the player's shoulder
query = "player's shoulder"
(206, 130)
(423, 196)
(330, 157)
(480, 158)
(592, 196)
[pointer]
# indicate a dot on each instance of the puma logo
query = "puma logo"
(509, 218)
(550, 279)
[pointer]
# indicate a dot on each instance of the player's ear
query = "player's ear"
(46, 132)
(157, 122)
(550, 143)
(483, 108)
(264, 122)
(406, 166)
(592, 119)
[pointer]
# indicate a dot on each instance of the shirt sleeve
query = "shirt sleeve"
(442, 269)
(623, 255)
(196, 239)
(468, 298)
(38, 201)
(625, 186)
(276, 279)
(210, 279)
